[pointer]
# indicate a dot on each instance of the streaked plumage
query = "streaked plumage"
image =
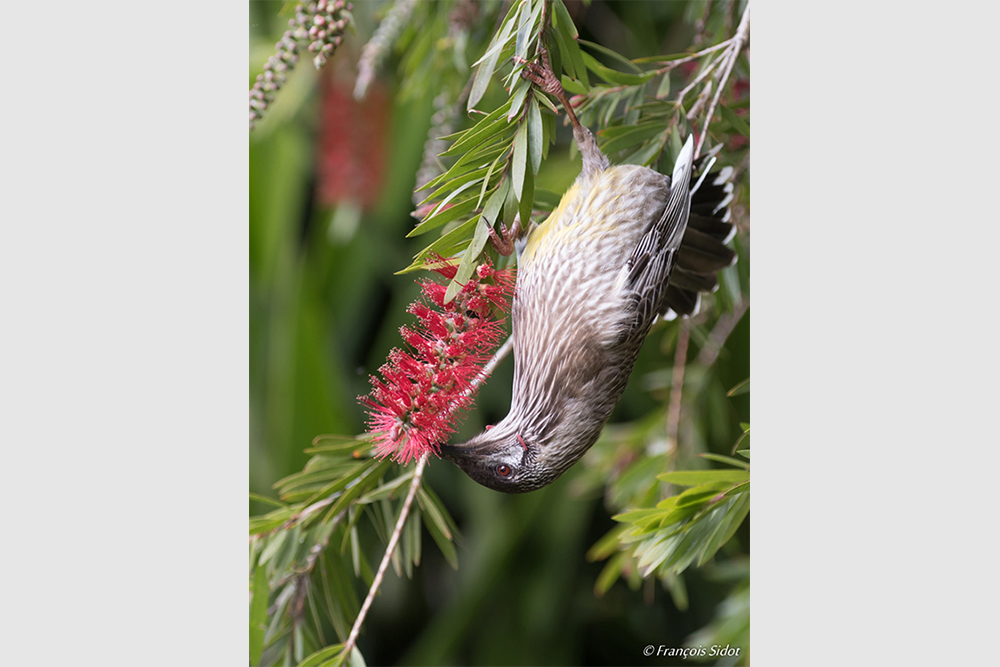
(591, 281)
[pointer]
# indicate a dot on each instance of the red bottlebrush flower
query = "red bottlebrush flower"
(423, 390)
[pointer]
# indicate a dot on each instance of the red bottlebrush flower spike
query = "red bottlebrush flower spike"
(422, 392)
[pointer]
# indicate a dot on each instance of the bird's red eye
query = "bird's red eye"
(503, 470)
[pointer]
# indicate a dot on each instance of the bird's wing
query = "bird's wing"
(649, 265)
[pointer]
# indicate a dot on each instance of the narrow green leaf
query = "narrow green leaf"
(563, 19)
(269, 521)
(527, 201)
(469, 260)
(458, 181)
(633, 137)
(521, 40)
(323, 655)
(483, 75)
(660, 59)
(518, 94)
(486, 180)
(610, 574)
(519, 161)
(663, 90)
(258, 613)
(444, 216)
(446, 246)
(737, 122)
(728, 524)
(489, 125)
(573, 56)
(438, 529)
(698, 477)
(565, 59)
(265, 499)
(274, 543)
(620, 59)
(535, 135)
(614, 76)
(725, 459)
(740, 388)
(370, 478)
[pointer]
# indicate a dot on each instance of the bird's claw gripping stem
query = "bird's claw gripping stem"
(504, 241)
(542, 76)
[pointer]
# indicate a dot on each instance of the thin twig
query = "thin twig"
(677, 387)
(705, 72)
(490, 365)
(720, 334)
(418, 475)
(731, 54)
(694, 56)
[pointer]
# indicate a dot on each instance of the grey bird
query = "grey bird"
(625, 245)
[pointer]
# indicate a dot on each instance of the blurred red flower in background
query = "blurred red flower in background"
(351, 156)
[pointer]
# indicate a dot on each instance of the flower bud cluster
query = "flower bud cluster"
(323, 22)
(326, 23)
(413, 408)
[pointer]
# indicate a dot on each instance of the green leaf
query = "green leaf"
(258, 613)
(535, 135)
(269, 521)
(469, 260)
(323, 656)
(635, 135)
(455, 183)
(489, 60)
(370, 478)
(386, 490)
(437, 522)
(444, 216)
(563, 19)
(737, 122)
(483, 76)
(573, 56)
(271, 547)
(526, 203)
(620, 59)
(488, 126)
(725, 459)
(663, 90)
(519, 162)
(661, 59)
(741, 388)
(518, 93)
(521, 40)
(614, 76)
(698, 477)
(265, 499)
(729, 522)
(610, 574)
(446, 246)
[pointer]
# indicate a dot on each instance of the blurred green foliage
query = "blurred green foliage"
(541, 578)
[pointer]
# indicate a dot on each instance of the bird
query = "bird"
(624, 246)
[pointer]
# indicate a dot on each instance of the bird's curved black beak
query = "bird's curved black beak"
(454, 453)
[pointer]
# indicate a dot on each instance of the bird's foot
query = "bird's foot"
(541, 74)
(504, 241)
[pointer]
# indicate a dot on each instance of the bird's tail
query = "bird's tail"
(703, 252)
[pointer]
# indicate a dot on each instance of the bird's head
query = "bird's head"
(501, 460)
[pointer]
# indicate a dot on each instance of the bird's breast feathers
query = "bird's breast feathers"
(600, 218)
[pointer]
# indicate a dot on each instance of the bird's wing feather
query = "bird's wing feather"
(649, 265)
